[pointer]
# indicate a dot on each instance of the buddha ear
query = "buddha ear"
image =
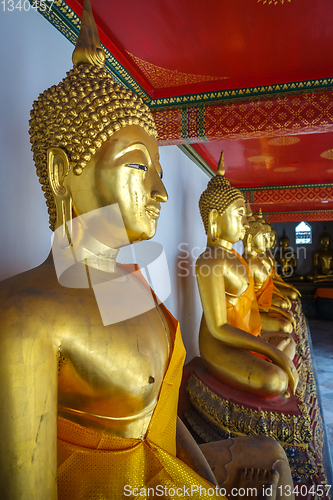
(212, 224)
(58, 169)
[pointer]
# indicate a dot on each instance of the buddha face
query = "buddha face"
(325, 242)
(125, 170)
(284, 243)
(267, 237)
(232, 224)
(272, 238)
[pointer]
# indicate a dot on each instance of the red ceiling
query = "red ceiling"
(260, 162)
(172, 47)
(244, 43)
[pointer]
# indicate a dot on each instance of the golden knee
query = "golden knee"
(274, 381)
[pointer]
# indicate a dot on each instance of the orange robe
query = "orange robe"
(244, 314)
(93, 465)
(265, 293)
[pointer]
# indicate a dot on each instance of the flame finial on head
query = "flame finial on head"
(220, 167)
(249, 213)
(260, 217)
(88, 49)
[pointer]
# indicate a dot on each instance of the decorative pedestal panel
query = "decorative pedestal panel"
(213, 411)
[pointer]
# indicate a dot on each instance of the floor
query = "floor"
(322, 342)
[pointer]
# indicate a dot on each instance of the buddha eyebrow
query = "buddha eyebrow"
(133, 147)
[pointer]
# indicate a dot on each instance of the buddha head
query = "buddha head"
(255, 233)
(94, 145)
(284, 241)
(270, 234)
(325, 239)
(222, 209)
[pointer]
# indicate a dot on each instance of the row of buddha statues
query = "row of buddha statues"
(89, 410)
(322, 260)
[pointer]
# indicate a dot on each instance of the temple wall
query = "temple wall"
(34, 57)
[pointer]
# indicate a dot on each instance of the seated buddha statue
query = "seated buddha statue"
(89, 407)
(323, 259)
(286, 289)
(286, 258)
(272, 305)
(232, 345)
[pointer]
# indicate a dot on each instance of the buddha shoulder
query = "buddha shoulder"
(25, 301)
(211, 258)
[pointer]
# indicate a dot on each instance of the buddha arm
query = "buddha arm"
(28, 414)
(283, 284)
(212, 293)
(287, 314)
(278, 294)
(189, 452)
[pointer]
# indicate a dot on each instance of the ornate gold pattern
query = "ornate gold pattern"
(161, 78)
(292, 195)
(302, 469)
(260, 159)
(273, 2)
(328, 155)
(289, 430)
(311, 215)
(284, 141)
(306, 113)
(285, 169)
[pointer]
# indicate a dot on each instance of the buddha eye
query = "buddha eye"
(138, 166)
(160, 175)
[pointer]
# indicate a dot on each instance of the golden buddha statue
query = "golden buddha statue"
(323, 259)
(89, 408)
(232, 346)
(286, 289)
(272, 304)
(286, 258)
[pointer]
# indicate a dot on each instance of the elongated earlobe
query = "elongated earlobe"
(58, 169)
(212, 224)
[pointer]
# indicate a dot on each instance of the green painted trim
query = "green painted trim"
(191, 153)
(300, 212)
(293, 186)
(62, 17)
(242, 95)
(201, 123)
(184, 123)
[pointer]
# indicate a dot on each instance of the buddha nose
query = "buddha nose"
(160, 195)
(159, 192)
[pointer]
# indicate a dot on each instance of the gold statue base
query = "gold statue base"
(213, 411)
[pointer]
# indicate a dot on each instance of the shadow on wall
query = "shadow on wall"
(304, 252)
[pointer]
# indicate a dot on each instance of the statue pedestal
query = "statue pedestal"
(233, 413)
(213, 411)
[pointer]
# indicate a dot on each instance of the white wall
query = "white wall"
(34, 56)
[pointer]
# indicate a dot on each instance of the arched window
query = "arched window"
(303, 234)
